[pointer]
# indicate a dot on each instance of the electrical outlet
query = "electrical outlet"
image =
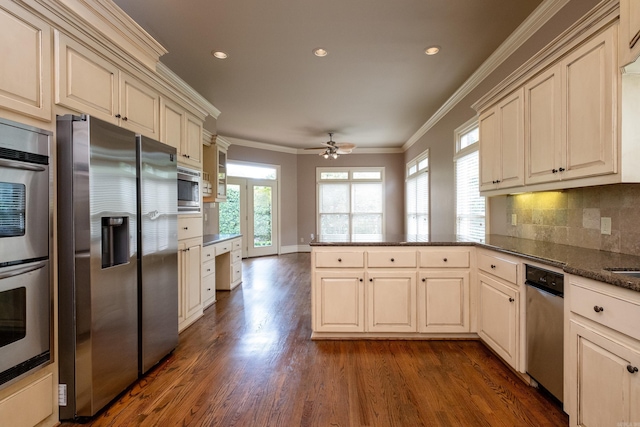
(302, 240)
(205, 216)
(514, 219)
(605, 225)
(312, 236)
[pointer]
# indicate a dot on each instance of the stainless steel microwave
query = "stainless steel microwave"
(189, 198)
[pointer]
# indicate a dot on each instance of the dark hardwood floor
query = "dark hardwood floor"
(250, 362)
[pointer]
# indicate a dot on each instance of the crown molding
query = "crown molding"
(362, 151)
(261, 145)
(530, 26)
(193, 97)
(110, 20)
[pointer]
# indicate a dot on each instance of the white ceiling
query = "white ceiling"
(375, 88)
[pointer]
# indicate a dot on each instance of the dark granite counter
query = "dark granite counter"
(210, 239)
(590, 263)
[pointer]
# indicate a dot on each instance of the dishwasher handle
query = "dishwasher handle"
(545, 288)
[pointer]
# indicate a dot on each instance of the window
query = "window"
(417, 197)
(470, 206)
(350, 202)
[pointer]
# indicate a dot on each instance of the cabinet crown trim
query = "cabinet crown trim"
(600, 17)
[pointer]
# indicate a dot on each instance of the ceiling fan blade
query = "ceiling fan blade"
(345, 145)
(342, 150)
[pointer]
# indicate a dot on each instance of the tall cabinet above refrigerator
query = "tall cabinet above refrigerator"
(117, 240)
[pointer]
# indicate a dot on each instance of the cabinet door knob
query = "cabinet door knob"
(562, 169)
(598, 309)
(185, 228)
(118, 116)
(497, 181)
(493, 266)
(511, 299)
(444, 259)
(371, 280)
(208, 269)
(632, 369)
(554, 170)
(339, 259)
(125, 118)
(424, 279)
(208, 289)
(208, 255)
(392, 260)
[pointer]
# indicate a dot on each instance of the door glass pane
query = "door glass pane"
(262, 218)
(230, 211)
(12, 209)
(13, 315)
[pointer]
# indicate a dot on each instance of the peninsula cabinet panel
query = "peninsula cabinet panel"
(498, 318)
(25, 74)
(339, 301)
(443, 301)
(604, 378)
(589, 107)
(391, 301)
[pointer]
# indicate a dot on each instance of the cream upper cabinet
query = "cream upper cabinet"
(90, 84)
(589, 88)
(629, 31)
(543, 130)
(502, 144)
(25, 74)
(181, 130)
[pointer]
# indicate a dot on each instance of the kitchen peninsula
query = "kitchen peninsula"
(419, 287)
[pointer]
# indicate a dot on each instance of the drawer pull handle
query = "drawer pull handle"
(632, 369)
(208, 269)
(392, 259)
(493, 266)
(444, 259)
(185, 228)
(208, 255)
(598, 309)
(511, 299)
(339, 259)
(208, 289)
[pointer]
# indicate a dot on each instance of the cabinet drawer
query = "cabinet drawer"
(618, 314)
(507, 270)
(236, 256)
(236, 272)
(353, 259)
(444, 258)
(189, 227)
(391, 259)
(223, 247)
(208, 268)
(209, 289)
(236, 244)
(208, 253)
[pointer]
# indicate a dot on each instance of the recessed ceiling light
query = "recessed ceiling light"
(320, 52)
(432, 50)
(219, 54)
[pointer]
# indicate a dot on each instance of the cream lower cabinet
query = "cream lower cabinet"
(391, 301)
(89, 83)
(190, 281)
(25, 74)
(498, 317)
(602, 354)
(339, 303)
(444, 290)
(208, 275)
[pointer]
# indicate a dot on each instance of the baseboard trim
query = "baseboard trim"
(291, 249)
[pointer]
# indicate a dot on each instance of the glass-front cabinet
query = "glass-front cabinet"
(215, 166)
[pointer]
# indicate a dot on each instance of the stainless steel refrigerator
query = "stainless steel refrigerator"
(117, 246)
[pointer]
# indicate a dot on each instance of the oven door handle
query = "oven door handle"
(20, 165)
(21, 270)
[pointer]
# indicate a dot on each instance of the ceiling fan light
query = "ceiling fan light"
(325, 155)
(334, 155)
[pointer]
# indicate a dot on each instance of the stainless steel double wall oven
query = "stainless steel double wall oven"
(25, 285)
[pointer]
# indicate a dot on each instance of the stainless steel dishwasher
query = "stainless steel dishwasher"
(545, 328)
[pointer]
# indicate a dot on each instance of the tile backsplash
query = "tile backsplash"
(575, 216)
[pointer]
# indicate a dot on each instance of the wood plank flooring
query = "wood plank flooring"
(249, 362)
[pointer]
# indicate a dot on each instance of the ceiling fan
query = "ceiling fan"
(332, 149)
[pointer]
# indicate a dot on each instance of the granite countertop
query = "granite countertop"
(590, 263)
(210, 239)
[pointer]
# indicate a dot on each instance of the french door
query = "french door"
(251, 209)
